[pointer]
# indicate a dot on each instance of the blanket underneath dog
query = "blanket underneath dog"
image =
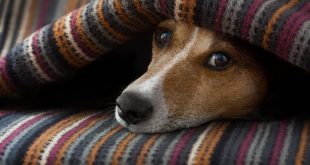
(75, 40)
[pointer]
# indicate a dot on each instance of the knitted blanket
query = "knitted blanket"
(68, 136)
(93, 137)
(77, 39)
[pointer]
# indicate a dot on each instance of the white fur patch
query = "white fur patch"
(152, 89)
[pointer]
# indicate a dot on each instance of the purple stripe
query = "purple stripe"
(163, 7)
(246, 143)
(279, 143)
(6, 113)
(38, 57)
(180, 146)
(5, 76)
(73, 25)
(290, 29)
(42, 14)
(219, 15)
(19, 130)
(249, 18)
(52, 157)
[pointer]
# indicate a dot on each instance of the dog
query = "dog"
(195, 76)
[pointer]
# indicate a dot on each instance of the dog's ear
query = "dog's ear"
(288, 92)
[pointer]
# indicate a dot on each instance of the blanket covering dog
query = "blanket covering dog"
(75, 40)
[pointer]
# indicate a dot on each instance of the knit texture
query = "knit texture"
(94, 137)
(77, 39)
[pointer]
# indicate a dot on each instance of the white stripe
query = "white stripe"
(255, 23)
(198, 143)
(261, 145)
(287, 143)
(68, 30)
(11, 28)
(12, 129)
(258, 136)
(34, 61)
(304, 32)
(5, 7)
(56, 138)
(177, 10)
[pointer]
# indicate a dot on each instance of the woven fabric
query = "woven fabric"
(94, 137)
(79, 38)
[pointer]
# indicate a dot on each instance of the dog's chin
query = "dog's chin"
(158, 125)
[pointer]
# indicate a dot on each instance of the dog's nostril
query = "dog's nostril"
(133, 108)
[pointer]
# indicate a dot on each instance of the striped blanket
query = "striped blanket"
(54, 51)
(94, 137)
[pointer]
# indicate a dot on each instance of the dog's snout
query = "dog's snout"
(133, 108)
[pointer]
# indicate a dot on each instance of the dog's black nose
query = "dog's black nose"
(133, 108)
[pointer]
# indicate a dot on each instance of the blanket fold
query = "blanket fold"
(77, 39)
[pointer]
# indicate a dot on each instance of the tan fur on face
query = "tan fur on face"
(193, 91)
(185, 93)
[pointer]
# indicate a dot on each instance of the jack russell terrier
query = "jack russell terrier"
(195, 76)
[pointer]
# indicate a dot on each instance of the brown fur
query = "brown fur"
(191, 89)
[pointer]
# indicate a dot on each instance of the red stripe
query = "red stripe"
(246, 144)
(163, 7)
(38, 57)
(19, 130)
(249, 18)
(52, 156)
(180, 146)
(290, 30)
(219, 15)
(279, 143)
(73, 25)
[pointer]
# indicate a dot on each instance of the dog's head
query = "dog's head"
(195, 76)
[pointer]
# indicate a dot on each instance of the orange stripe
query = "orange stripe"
(121, 148)
(88, 43)
(34, 151)
(33, 9)
(94, 151)
(76, 135)
(144, 12)
(303, 143)
(146, 148)
(205, 144)
(129, 21)
(71, 5)
(214, 142)
(273, 21)
(191, 9)
(65, 48)
(119, 36)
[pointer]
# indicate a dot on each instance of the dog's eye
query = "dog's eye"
(218, 61)
(162, 37)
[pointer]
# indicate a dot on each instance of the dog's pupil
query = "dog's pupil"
(218, 61)
(162, 37)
